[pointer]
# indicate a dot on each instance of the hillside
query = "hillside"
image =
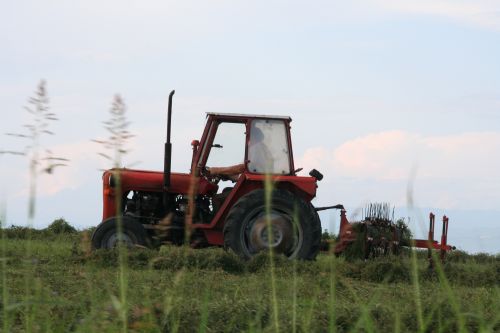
(54, 284)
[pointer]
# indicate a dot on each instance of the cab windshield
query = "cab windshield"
(268, 147)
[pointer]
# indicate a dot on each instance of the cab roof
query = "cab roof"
(241, 115)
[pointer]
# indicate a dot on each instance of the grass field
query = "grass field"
(53, 283)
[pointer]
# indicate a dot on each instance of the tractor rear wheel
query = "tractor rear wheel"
(106, 236)
(290, 226)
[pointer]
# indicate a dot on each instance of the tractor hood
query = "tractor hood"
(143, 180)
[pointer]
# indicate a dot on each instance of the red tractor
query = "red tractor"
(267, 207)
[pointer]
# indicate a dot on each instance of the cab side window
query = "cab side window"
(228, 147)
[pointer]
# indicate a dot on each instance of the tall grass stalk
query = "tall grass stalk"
(294, 297)
(397, 322)
(310, 313)
(117, 126)
(40, 103)
(39, 127)
(3, 258)
(38, 108)
(437, 264)
(28, 261)
(171, 320)
(268, 192)
(496, 321)
(333, 290)
(443, 281)
(204, 312)
(122, 256)
(416, 289)
(92, 300)
(414, 265)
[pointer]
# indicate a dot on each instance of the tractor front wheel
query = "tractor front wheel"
(287, 225)
(108, 235)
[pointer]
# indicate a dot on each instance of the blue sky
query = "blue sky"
(376, 89)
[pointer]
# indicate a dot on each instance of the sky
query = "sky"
(393, 101)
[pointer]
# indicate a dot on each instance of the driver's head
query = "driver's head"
(257, 135)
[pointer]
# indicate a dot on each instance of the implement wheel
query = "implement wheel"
(106, 236)
(290, 226)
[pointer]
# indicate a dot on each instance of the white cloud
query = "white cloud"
(386, 155)
(391, 154)
(452, 170)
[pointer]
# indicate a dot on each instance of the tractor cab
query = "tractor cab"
(234, 144)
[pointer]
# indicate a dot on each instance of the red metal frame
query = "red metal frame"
(430, 243)
(346, 233)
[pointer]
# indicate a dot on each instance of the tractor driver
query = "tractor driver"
(260, 158)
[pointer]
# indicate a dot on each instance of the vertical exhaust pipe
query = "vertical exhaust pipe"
(168, 156)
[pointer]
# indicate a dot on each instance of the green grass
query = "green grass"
(177, 289)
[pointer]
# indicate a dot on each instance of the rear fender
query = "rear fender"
(305, 187)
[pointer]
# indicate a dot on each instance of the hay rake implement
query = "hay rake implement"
(378, 234)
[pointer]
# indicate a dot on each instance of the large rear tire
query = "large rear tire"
(290, 226)
(106, 236)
